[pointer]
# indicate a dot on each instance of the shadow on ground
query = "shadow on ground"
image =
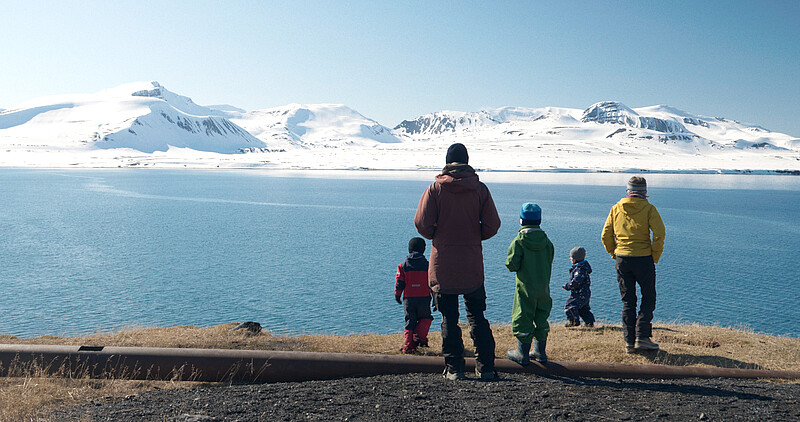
(662, 357)
(639, 385)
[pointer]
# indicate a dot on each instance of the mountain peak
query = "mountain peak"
(138, 89)
(609, 112)
(308, 124)
(154, 90)
(614, 112)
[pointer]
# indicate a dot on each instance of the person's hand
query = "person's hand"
(397, 299)
(564, 287)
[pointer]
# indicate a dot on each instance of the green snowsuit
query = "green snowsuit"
(531, 257)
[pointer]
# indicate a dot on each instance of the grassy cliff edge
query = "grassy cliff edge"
(22, 398)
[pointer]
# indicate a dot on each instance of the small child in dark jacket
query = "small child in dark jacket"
(411, 282)
(577, 306)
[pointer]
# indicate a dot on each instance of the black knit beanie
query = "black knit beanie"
(416, 244)
(457, 153)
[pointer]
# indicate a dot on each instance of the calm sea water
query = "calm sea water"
(98, 250)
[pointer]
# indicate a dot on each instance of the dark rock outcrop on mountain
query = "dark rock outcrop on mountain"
(617, 113)
(441, 122)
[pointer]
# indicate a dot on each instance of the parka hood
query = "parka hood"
(413, 256)
(416, 260)
(633, 206)
(458, 178)
(532, 238)
(585, 265)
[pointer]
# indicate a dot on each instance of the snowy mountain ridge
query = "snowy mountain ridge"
(308, 125)
(143, 123)
(141, 116)
(441, 122)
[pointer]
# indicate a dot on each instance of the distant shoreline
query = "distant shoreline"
(161, 166)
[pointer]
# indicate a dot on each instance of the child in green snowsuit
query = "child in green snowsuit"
(531, 257)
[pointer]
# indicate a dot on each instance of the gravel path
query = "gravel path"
(428, 397)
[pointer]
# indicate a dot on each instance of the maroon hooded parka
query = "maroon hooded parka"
(457, 212)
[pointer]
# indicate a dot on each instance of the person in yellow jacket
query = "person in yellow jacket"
(626, 236)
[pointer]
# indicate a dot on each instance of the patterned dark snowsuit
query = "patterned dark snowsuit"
(578, 301)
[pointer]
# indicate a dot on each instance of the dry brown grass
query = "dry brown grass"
(32, 397)
(31, 394)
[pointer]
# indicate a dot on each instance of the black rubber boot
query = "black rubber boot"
(521, 354)
(538, 350)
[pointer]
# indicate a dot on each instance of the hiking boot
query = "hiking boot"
(450, 374)
(644, 343)
(589, 325)
(487, 375)
(630, 348)
(538, 351)
(521, 354)
(572, 324)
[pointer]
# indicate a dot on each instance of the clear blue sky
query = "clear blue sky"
(397, 60)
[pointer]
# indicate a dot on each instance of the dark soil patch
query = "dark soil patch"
(428, 397)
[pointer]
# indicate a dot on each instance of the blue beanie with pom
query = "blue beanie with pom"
(530, 212)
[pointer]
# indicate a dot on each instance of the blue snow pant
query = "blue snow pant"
(575, 313)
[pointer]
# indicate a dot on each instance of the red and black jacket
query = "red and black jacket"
(412, 277)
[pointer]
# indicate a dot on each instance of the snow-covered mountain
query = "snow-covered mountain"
(612, 112)
(146, 117)
(607, 136)
(146, 124)
(444, 122)
(599, 122)
(313, 125)
(142, 116)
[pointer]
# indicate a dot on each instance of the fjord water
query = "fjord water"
(87, 250)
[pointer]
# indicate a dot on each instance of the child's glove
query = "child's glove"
(397, 299)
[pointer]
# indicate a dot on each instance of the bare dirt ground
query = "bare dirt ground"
(429, 397)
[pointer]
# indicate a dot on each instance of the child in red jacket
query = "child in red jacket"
(411, 282)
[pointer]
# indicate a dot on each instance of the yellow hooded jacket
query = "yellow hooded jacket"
(628, 226)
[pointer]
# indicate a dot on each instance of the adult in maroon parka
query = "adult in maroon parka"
(457, 212)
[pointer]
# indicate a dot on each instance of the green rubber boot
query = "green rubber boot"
(521, 354)
(538, 351)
